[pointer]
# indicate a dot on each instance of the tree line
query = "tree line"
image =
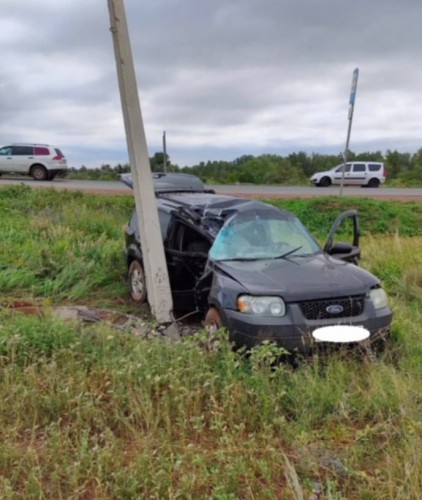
(402, 168)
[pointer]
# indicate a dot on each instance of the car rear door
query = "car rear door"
(358, 174)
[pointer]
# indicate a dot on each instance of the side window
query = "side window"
(6, 151)
(359, 167)
(22, 150)
(347, 169)
(374, 167)
(40, 151)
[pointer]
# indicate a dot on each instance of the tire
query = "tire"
(39, 173)
(137, 282)
(325, 182)
(373, 183)
(213, 321)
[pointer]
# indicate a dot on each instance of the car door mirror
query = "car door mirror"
(345, 251)
(349, 252)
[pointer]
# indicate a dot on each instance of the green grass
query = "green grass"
(61, 245)
(91, 412)
(67, 246)
(376, 217)
(88, 412)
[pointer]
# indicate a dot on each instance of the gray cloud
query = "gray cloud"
(222, 77)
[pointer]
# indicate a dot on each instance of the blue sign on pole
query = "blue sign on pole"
(354, 86)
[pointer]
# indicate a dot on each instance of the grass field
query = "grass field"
(91, 412)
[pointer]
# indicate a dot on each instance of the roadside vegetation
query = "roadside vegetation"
(404, 169)
(92, 412)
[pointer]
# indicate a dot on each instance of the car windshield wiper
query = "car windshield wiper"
(239, 259)
(263, 257)
(290, 252)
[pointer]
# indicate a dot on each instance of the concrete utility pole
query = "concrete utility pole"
(155, 267)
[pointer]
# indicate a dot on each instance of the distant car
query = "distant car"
(254, 269)
(41, 161)
(356, 173)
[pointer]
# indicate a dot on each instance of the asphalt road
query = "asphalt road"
(241, 190)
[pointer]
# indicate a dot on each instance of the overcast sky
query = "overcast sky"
(223, 77)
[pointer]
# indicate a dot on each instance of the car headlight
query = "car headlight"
(379, 298)
(261, 306)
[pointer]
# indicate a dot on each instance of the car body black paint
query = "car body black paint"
(190, 221)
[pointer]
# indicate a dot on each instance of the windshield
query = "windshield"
(256, 236)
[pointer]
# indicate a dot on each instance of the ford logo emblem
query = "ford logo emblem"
(335, 309)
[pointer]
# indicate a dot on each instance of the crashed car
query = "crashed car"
(255, 269)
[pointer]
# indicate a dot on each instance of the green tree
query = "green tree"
(415, 171)
(368, 156)
(397, 164)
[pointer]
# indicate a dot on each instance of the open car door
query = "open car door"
(349, 252)
(187, 254)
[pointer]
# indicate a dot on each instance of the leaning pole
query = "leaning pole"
(154, 262)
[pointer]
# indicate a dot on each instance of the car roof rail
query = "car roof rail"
(28, 144)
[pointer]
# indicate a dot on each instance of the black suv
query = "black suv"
(255, 270)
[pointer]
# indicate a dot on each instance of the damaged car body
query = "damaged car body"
(255, 270)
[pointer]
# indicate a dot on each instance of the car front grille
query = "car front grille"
(343, 307)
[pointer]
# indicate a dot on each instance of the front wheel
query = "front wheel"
(39, 173)
(325, 182)
(137, 282)
(213, 321)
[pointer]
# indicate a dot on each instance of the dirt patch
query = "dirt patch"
(120, 321)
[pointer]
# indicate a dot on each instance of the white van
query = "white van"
(356, 173)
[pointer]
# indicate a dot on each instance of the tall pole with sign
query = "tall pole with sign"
(154, 262)
(349, 129)
(164, 151)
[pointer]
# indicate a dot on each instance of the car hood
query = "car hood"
(300, 278)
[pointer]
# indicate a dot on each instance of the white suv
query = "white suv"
(356, 173)
(41, 161)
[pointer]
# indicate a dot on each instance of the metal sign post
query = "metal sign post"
(164, 151)
(158, 286)
(351, 108)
